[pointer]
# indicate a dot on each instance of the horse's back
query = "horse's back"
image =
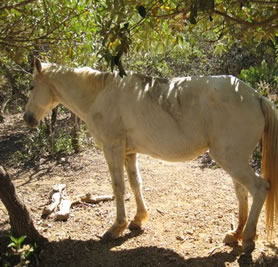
(180, 118)
(201, 112)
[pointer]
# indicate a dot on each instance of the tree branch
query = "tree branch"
(18, 41)
(23, 3)
(17, 46)
(264, 2)
(166, 16)
(59, 25)
(253, 24)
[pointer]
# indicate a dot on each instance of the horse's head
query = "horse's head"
(41, 99)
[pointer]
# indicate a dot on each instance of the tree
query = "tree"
(161, 24)
(33, 28)
(83, 31)
(20, 220)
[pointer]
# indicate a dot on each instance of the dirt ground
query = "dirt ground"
(191, 207)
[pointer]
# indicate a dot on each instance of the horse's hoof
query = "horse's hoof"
(136, 223)
(109, 236)
(248, 246)
(231, 238)
(133, 226)
(115, 231)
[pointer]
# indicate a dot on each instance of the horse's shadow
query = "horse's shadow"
(95, 253)
(102, 253)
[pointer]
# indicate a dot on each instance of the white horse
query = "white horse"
(175, 120)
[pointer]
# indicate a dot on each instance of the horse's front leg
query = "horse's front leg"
(114, 155)
(135, 181)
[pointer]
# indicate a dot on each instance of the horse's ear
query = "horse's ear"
(38, 65)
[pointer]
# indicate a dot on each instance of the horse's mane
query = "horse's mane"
(87, 74)
(53, 69)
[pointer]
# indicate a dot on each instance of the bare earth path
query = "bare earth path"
(190, 210)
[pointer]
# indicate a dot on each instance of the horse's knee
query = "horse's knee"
(136, 183)
(118, 188)
(260, 188)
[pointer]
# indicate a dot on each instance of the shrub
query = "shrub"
(264, 78)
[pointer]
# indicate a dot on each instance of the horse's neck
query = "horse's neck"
(75, 94)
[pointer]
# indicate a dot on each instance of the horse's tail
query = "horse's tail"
(270, 162)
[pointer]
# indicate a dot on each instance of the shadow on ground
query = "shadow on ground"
(98, 253)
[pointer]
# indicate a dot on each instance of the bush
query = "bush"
(264, 78)
(42, 143)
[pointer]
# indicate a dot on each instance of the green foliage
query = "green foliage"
(83, 32)
(40, 143)
(14, 80)
(16, 243)
(53, 30)
(63, 143)
(18, 253)
(158, 25)
(95, 33)
(264, 77)
(179, 61)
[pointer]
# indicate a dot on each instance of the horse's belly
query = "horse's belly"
(172, 148)
(173, 155)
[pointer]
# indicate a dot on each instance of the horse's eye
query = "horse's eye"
(31, 88)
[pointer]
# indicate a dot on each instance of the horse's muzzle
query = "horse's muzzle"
(30, 119)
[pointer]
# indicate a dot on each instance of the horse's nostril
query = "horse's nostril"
(30, 119)
(25, 117)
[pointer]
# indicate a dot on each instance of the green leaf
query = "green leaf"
(21, 239)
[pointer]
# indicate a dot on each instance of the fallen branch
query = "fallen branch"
(64, 210)
(56, 196)
(213, 250)
(95, 200)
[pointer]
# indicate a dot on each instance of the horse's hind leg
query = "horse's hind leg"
(242, 196)
(135, 181)
(258, 189)
(114, 155)
(238, 167)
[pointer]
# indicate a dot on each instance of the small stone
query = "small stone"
(180, 238)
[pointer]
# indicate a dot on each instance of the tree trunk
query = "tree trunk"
(75, 133)
(20, 219)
